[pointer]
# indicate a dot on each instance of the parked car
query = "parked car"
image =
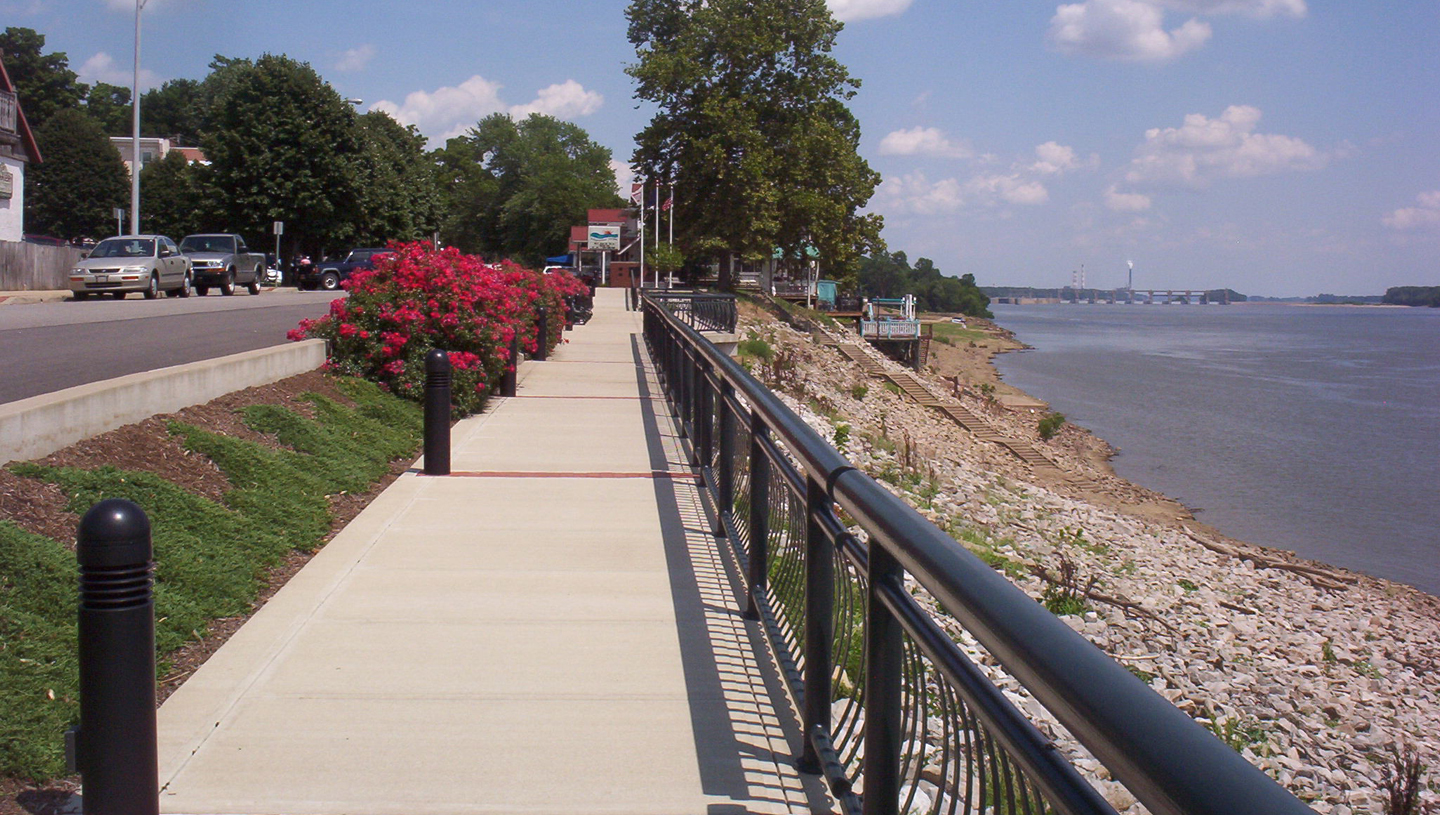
(143, 263)
(222, 261)
(44, 240)
(331, 273)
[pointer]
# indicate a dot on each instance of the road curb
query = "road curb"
(35, 427)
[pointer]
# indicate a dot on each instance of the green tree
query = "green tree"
(285, 146)
(471, 195)
(73, 193)
(109, 105)
(524, 183)
(175, 111)
(44, 82)
(400, 199)
(753, 126)
(173, 199)
(885, 274)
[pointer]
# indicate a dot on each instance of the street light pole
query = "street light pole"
(135, 131)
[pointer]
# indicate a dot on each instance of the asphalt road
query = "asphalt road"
(46, 347)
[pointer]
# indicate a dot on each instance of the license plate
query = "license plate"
(102, 278)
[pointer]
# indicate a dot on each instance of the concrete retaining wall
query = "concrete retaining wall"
(36, 267)
(35, 427)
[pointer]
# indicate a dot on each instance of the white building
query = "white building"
(152, 148)
(17, 149)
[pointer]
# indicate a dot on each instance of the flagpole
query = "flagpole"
(672, 213)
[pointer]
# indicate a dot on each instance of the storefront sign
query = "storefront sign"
(604, 237)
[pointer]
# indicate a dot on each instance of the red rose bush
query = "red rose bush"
(417, 299)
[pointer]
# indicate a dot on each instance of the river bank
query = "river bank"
(1313, 672)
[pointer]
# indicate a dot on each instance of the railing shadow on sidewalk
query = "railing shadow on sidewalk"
(746, 732)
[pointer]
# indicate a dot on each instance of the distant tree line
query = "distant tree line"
(889, 274)
(1413, 296)
(1071, 293)
(283, 145)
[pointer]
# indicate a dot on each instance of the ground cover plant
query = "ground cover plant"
(286, 474)
(418, 299)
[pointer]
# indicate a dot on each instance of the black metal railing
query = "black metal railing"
(700, 310)
(895, 715)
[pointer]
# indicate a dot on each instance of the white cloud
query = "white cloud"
(355, 59)
(103, 68)
(563, 101)
(923, 141)
(916, 194)
(451, 110)
(1053, 158)
(1203, 149)
(1011, 188)
(1421, 217)
(850, 10)
(624, 174)
(1126, 201)
(1252, 8)
(1129, 30)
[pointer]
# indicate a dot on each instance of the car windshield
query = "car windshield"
(207, 243)
(124, 248)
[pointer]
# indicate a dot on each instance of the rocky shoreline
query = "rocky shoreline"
(1314, 673)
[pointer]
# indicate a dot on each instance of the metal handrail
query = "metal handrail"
(703, 311)
(1170, 763)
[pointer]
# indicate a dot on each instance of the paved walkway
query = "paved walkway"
(549, 629)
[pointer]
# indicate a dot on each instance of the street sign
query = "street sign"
(279, 227)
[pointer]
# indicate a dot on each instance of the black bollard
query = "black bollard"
(115, 745)
(542, 346)
(437, 413)
(508, 381)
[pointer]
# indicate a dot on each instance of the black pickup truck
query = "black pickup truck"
(329, 274)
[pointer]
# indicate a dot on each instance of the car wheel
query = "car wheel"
(153, 290)
(184, 290)
(254, 287)
(118, 295)
(202, 290)
(227, 286)
(80, 295)
(330, 281)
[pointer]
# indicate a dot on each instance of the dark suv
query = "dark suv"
(328, 275)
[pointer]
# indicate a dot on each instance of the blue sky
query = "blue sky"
(1273, 146)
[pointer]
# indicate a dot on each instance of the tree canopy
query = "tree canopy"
(285, 146)
(174, 199)
(514, 188)
(753, 129)
(44, 82)
(74, 192)
(886, 274)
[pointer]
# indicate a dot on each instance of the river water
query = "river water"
(1313, 429)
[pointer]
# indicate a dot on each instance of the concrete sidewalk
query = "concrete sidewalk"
(549, 629)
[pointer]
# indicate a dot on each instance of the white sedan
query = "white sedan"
(144, 263)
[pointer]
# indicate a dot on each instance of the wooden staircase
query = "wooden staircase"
(911, 386)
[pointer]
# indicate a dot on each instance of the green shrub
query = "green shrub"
(858, 391)
(842, 435)
(1050, 424)
(756, 348)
